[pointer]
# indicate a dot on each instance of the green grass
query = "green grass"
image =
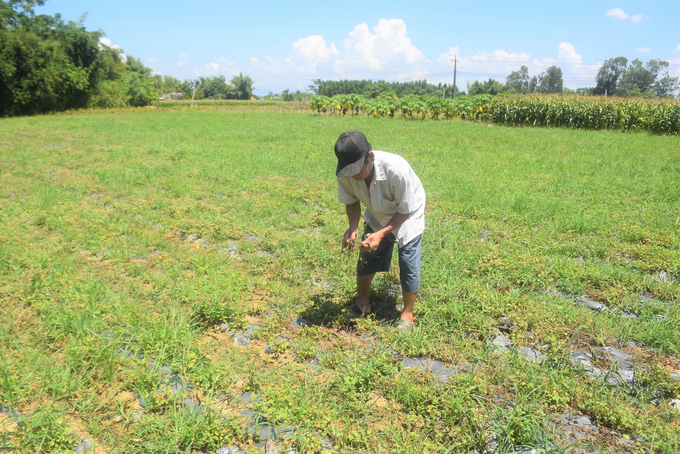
(96, 258)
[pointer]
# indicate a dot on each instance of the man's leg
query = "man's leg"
(409, 276)
(368, 264)
(363, 292)
(409, 302)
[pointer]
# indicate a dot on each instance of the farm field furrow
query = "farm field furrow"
(171, 281)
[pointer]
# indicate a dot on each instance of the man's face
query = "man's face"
(366, 169)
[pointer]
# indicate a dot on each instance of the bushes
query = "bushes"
(576, 112)
(131, 89)
(140, 90)
(110, 93)
(48, 65)
(37, 75)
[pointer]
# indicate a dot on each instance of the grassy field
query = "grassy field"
(171, 281)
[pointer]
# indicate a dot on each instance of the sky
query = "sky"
(286, 44)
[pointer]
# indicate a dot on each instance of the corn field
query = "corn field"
(577, 112)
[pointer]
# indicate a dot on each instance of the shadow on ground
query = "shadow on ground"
(331, 308)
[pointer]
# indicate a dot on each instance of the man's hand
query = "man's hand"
(350, 237)
(371, 242)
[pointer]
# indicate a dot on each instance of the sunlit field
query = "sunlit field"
(171, 281)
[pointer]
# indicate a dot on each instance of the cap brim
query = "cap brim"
(351, 169)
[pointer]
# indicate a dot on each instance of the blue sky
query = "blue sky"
(286, 44)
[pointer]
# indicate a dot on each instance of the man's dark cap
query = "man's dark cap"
(351, 149)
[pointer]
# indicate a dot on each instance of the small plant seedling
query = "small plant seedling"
(353, 243)
(365, 245)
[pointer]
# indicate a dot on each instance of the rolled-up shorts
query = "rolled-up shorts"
(381, 259)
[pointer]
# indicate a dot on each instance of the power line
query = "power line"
(580, 62)
(439, 77)
(466, 60)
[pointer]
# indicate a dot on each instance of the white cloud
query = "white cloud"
(618, 13)
(495, 56)
(269, 64)
(643, 50)
(674, 62)
(380, 52)
(385, 47)
(420, 75)
(410, 76)
(567, 54)
(152, 60)
(678, 48)
(180, 63)
(182, 55)
(107, 42)
(219, 67)
(499, 63)
(388, 46)
(448, 56)
(501, 55)
(361, 45)
(309, 52)
(386, 52)
(574, 72)
(496, 65)
(638, 18)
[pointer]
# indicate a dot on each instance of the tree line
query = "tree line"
(615, 78)
(216, 87)
(371, 90)
(618, 78)
(47, 64)
(549, 81)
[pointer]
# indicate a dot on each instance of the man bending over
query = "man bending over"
(395, 205)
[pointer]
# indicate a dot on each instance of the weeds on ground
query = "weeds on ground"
(129, 240)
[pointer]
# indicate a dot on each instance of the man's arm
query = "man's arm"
(354, 216)
(372, 241)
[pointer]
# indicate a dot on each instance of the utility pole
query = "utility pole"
(454, 75)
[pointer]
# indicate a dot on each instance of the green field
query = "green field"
(156, 266)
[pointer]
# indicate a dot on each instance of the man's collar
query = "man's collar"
(378, 173)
